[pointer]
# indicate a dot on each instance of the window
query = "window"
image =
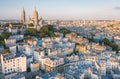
(5, 71)
(13, 65)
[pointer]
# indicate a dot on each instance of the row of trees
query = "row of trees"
(64, 31)
(107, 42)
(4, 35)
(19, 25)
(47, 31)
(31, 31)
(43, 32)
(31, 24)
(112, 44)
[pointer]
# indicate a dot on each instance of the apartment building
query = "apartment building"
(13, 62)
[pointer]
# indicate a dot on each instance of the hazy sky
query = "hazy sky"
(62, 9)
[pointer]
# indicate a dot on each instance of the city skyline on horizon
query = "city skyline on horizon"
(65, 10)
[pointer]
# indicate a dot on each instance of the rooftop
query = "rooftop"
(18, 76)
(12, 55)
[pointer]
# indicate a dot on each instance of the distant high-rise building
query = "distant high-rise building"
(23, 15)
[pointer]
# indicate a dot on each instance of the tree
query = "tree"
(28, 70)
(7, 24)
(19, 25)
(114, 46)
(91, 39)
(44, 29)
(2, 42)
(64, 31)
(5, 35)
(31, 24)
(47, 31)
(51, 34)
(31, 31)
(106, 41)
(41, 35)
(28, 37)
(5, 51)
(100, 42)
(51, 28)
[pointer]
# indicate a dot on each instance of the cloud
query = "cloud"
(117, 8)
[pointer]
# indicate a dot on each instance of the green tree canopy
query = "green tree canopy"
(2, 42)
(44, 29)
(91, 39)
(47, 31)
(5, 51)
(7, 24)
(51, 34)
(5, 35)
(19, 25)
(64, 31)
(31, 24)
(41, 35)
(31, 31)
(106, 41)
(114, 46)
